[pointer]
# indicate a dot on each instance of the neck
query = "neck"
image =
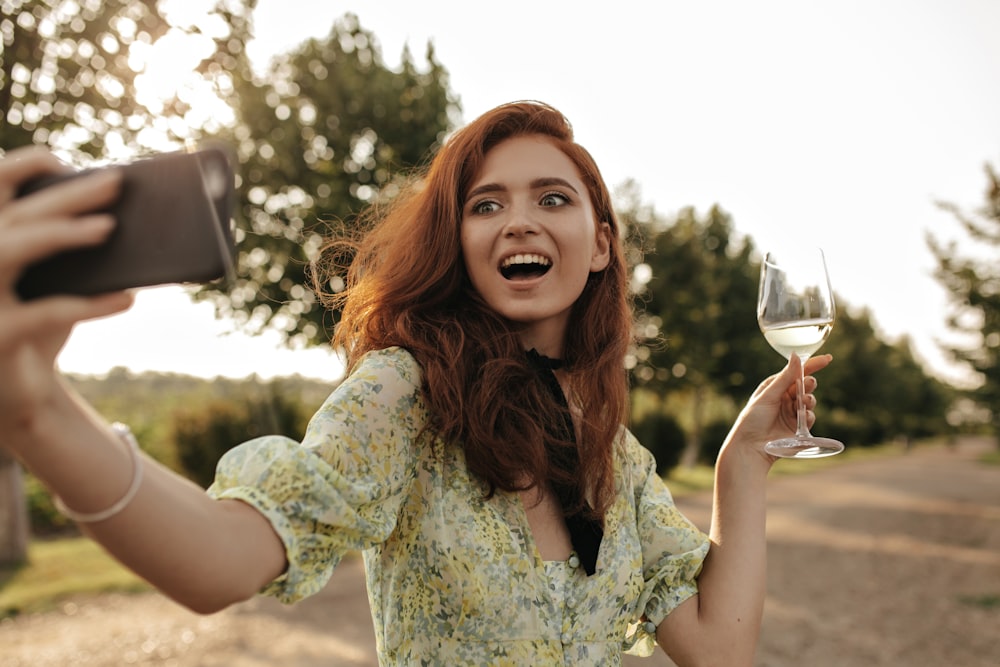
(545, 345)
(545, 336)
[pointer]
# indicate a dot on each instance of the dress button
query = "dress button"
(574, 561)
(649, 627)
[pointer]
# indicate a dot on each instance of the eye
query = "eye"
(553, 199)
(485, 207)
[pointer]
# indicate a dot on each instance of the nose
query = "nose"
(520, 221)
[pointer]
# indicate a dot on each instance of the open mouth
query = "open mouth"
(525, 267)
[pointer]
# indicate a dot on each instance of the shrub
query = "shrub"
(202, 435)
(713, 435)
(661, 434)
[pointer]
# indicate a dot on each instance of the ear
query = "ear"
(602, 248)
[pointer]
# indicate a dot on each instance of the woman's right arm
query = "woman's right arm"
(206, 554)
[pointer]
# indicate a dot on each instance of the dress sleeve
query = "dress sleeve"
(673, 548)
(342, 488)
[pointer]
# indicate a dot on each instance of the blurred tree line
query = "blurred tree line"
(699, 353)
(328, 129)
(972, 282)
(187, 423)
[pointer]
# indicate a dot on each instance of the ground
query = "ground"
(886, 562)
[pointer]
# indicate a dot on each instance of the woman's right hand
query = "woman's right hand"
(31, 228)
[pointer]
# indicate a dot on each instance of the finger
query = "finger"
(765, 383)
(59, 313)
(815, 364)
(809, 386)
(26, 244)
(23, 164)
(84, 194)
(783, 382)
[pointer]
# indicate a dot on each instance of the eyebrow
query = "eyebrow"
(545, 182)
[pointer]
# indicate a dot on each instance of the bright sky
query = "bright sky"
(837, 123)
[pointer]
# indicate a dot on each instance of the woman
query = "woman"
(476, 451)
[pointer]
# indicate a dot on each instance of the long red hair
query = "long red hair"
(407, 285)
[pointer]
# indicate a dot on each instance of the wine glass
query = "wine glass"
(795, 312)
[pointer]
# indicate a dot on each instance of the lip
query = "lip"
(523, 285)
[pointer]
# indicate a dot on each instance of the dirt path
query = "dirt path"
(882, 563)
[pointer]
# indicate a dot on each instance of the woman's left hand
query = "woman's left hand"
(772, 409)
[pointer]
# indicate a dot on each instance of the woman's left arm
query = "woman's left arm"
(721, 625)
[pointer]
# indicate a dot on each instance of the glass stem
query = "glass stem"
(801, 427)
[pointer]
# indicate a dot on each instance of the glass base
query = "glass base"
(805, 447)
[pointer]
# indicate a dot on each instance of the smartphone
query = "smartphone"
(173, 227)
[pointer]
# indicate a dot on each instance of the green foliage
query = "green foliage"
(664, 423)
(973, 286)
(663, 436)
(154, 404)
(713, 437)
(43, 516)
(876, 392)
(203, 433)
(327, 131)
(991, 457)
(699, 304)
(684, 481)
(985, 601)
(71, 74)
(696, 320)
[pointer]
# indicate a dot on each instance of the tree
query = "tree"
(13, 513)
(697, 298)
(326, 131)
(85, 77)
(878, 391)
(973, 287)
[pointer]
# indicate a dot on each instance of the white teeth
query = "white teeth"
(525, 259)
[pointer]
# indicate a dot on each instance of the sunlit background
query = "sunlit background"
(837, 123)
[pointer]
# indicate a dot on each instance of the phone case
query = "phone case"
(173, 227)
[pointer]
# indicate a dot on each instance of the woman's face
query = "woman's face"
(530, 238)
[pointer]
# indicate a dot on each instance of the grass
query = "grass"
(58, 569)
(849, 455)
(982, 601)
(702, 477)
(991, 457)
(682, 481)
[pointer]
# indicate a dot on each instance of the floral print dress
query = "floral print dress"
(455, 578)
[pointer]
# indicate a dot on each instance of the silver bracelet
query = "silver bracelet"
(125, 433)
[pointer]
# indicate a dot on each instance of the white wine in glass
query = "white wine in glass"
(795, 311)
